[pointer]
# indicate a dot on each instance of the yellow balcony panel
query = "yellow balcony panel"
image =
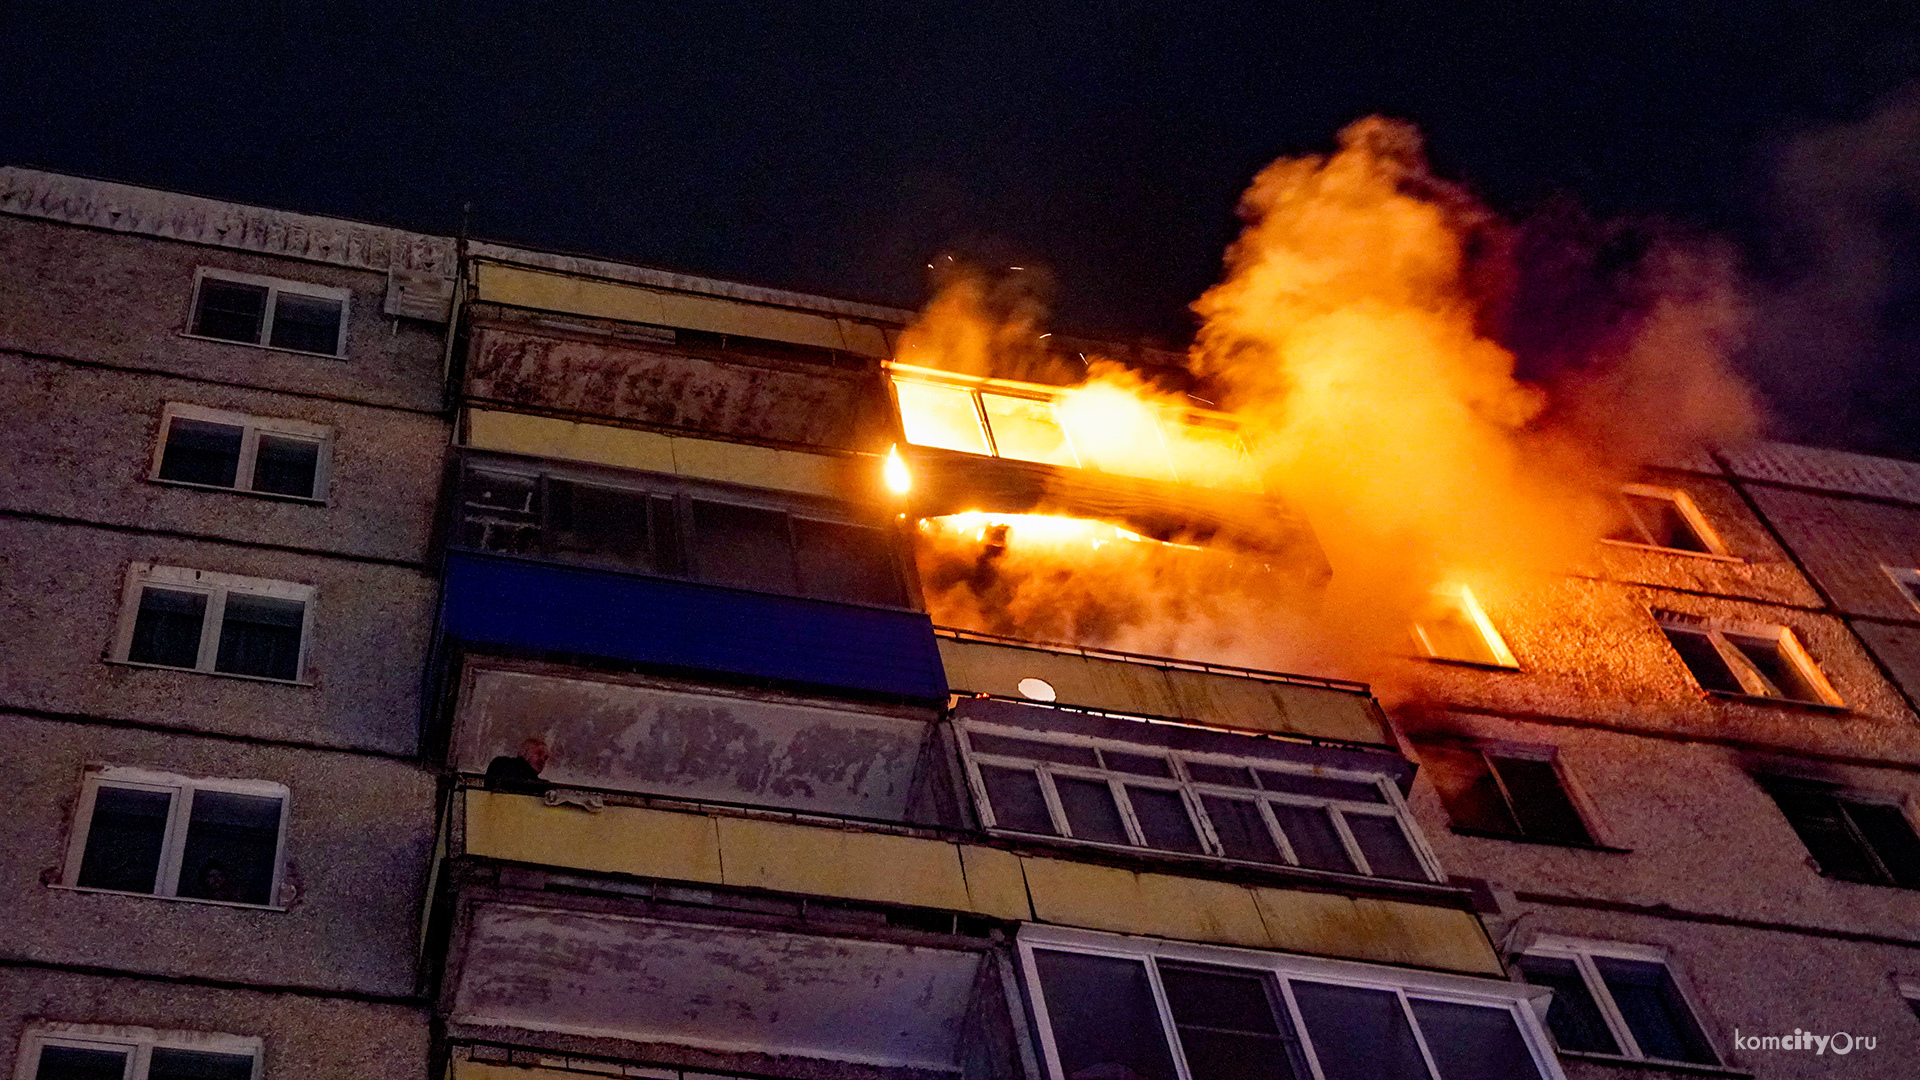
(1159, 905)
(833, 862)
(487, 1070)
(762, 467)
(996, 886)
(1387, 931)
(520, 287)
(618, 840)
(986, 668)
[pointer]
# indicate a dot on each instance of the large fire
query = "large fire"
(1362, 385)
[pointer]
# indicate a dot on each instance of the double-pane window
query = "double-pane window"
(1854, 836)
(221, 623)
(1753, 661)
(165, 835)
(1504, 791)
(258, 310)
(1106, 792)
(1615, 999)
(211, 448)
(1175, 1012)
(1662, 518)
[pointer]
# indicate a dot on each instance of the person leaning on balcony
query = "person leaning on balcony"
(520, 774)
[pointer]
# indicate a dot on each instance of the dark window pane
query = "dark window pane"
(1032, 751)
(171, 1064)
(230, 310)
(1468, 788)
(1663, 523)
(1541, 804)
(1137, 764)
(307, 323)
(1101, 1010)
(665, 523)
(80, 1063)
(260, 635)
(1359, 1034)
(284, 465)
(1698, 653)
(744, 547)
(1887, 831)
(845, 562)
(124, 838)
(500, 512)
(1016, 799)
(600, 525)
(1228, 1026)
(1573, 1017)
(1650, 1003)
(1223, 775)
(1321, 787)
(1385, 845)
(167, 628)
(1163, 819)
(1315, 843)
(1817, 819)
(1243, 835)
(1091, 814)
(1473, 1042)
(231, 841)
(199, 452)
(1771, 660)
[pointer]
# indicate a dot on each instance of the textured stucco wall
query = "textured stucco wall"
(85, 441)
(60, 595)
(306, 1038)
(125, 300)
(358, 835)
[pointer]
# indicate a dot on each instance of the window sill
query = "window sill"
(1710, 556)
(258, 345)
(1656, 1064)
(270, 496)
(215, 674)
(175, 899)
(1761, 699)
(1490, 834)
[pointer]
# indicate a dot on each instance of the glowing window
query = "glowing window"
(1027, 430)
(1452, 626)
(1754, 661)
(941, 416)
(1663, 518)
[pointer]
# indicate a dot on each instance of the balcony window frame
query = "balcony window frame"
(1581, 952)
(173, 844)
(216, 587)
(1754, 684)
(275, 286)
(1460, 599)
(1391, 806)
(252, 428)
(1524, 1003)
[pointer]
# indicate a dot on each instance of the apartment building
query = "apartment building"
(224, 438)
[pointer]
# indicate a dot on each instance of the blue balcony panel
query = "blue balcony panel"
(691, 626)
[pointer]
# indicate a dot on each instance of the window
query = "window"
(1504, 791)
(1663, 518)
(1910, 993)
(1756, 661)
(159, 834)
(210, 448)
(1907, 580)
(1453, 626)
(1854, 836)
(219, 623)
(1105, 792)
(102, 1052)
(671, 532)
(268, 311)
(1615, 999)
(1118, 1009)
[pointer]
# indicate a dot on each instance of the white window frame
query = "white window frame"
(1461, 598)
(1753, 683)
(1582, 951)
(1392, 806)
(252, 427)
(166, 884)
(1689, 512)
(216, 587)
(274, 286)
(1907, 580)
(138, 1043)
(1526, 1003)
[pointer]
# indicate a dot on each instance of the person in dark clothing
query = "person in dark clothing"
(521, 774)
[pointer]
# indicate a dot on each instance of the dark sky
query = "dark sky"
(837, 147)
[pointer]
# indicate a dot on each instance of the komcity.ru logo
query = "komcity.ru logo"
(1839, 1042)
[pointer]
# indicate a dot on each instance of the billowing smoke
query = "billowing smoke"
(1361, 337)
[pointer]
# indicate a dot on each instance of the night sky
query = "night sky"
(836, 148)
